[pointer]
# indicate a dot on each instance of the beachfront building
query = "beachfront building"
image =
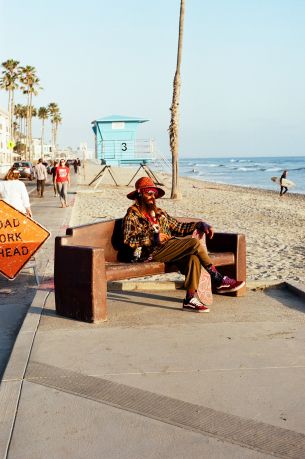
(6, 153)
(84, 152)
(45, 152)
(116, 143)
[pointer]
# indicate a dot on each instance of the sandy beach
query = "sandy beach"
(274, 226)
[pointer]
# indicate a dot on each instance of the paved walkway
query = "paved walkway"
(155, 381)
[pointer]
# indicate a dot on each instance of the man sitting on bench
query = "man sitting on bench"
(153, 235)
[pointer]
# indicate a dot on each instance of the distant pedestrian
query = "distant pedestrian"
(41, 175)
(62, 178)
(75, 165)
(53, 173)
(14, 192)
(284, 188)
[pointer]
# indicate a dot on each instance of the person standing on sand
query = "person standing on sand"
(62, 179)
(41, 176)
(153, 235)
(284, 189)
(14, 192)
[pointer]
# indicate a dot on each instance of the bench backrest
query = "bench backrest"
(106, 234)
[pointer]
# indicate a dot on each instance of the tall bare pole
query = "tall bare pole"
(174, 123)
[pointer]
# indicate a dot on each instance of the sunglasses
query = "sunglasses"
(150, 192)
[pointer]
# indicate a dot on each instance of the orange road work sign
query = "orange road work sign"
(20, 238)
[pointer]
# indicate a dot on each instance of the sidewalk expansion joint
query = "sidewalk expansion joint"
(248, 433)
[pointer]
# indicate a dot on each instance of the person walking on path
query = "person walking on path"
(153, 235)
(284, 188)
(75, 166)
(53, 173)
(41, 175)
(62, 178)
(14, 192)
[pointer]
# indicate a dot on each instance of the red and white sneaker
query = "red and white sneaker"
(229, 285)
(193, 304)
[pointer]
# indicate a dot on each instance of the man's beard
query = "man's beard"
(148, 206)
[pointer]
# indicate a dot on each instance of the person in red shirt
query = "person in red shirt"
(62, 179)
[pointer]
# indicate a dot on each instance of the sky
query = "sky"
(242, 72)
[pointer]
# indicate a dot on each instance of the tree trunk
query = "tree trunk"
(42, 137)
(30, 128)
(9, 111)
(12, 116)
(27, 152)
(55, 136)
(174, 123)
(52, 140)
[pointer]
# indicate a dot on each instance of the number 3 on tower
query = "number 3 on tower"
(124, 146)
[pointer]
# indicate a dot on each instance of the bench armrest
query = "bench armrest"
(80, 279)
(225, 242)
(231, 242)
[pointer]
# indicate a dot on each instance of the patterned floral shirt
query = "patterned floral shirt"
(138, 231)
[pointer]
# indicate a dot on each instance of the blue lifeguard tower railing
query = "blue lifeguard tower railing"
(116, 143)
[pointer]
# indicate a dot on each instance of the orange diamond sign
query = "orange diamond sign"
(20, 238)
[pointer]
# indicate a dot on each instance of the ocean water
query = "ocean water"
(247, 171)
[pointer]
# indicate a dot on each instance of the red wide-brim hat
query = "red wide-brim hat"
(141, 184)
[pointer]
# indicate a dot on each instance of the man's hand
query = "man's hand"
(204, 227)
(163, 238)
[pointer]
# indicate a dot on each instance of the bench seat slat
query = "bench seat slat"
(119, 270)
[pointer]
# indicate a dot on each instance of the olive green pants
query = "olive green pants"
(188, 254)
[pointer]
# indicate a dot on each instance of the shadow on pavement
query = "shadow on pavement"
(14, 305)
(286, 298)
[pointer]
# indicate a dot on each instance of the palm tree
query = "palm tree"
(23, 115)
(9, 82)
(56, 121)
(15, 129)
(18, 118)
(30, 87)
(53, 111)
(43, 114)
(20, 112)
(174, 123)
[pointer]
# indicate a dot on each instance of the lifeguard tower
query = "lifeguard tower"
(116, 143)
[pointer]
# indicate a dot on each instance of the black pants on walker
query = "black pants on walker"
(188, 254)
(40, 187)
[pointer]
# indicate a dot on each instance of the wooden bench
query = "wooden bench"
(91, 255)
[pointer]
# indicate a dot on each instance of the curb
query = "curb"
(136, 284)
(295, 288)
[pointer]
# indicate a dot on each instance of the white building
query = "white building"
(46, 152)
(4, 137)
(84, 152)
(7, 156)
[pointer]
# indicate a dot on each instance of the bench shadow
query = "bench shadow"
(131, 295)
(286, 297)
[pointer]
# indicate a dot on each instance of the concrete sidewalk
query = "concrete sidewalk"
(158, 382)
(17, 296)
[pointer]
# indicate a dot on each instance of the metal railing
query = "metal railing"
(124, 150)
